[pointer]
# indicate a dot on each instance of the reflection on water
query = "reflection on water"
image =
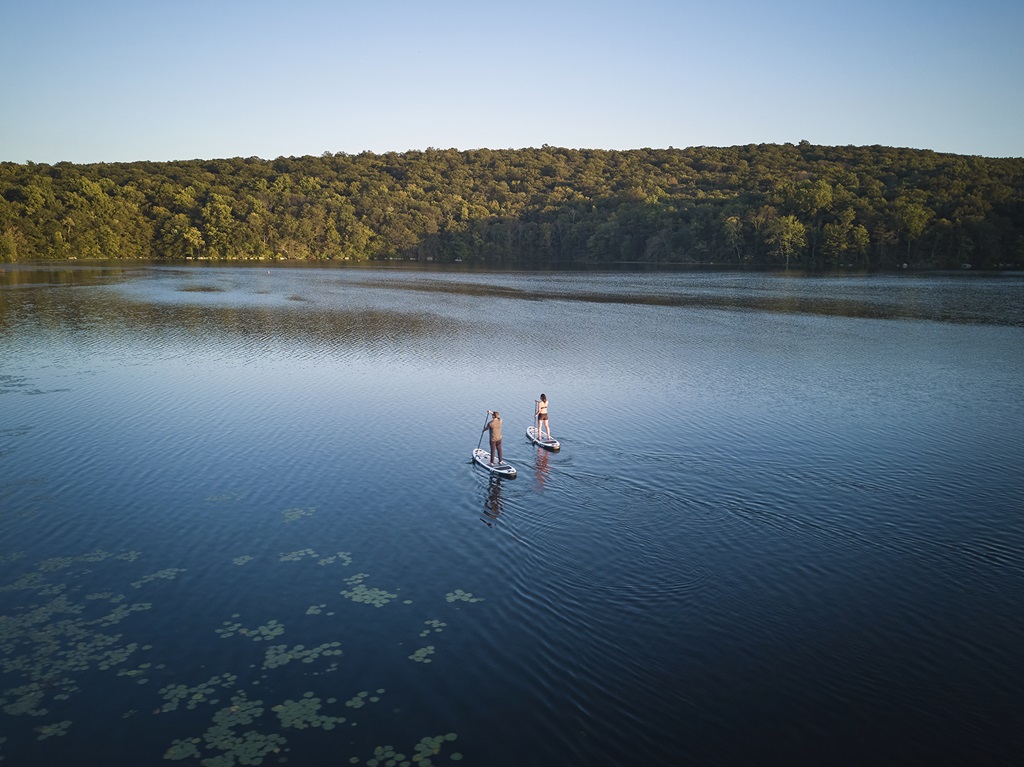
(541, 467)
(239, 524)
(956, 299)
(493, 502)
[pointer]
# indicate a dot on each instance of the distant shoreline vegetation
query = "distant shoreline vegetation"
(761, 206)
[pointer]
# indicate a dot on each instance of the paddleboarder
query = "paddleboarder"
(542, 416)
(495, 426)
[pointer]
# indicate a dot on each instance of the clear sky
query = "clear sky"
(124, 80)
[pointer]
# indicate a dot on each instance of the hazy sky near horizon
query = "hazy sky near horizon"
(127, 80)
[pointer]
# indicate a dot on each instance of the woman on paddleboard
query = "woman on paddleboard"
(542, 417)
(495, 426)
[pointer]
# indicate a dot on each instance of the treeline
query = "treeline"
(763, 205)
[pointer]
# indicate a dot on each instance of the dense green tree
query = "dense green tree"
(752, 205)
(733, 230)
(912, 218)
(787, 235)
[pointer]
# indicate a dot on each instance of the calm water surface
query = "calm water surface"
(239, 525)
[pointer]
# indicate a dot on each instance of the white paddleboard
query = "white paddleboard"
(545, 442)
(503, 469)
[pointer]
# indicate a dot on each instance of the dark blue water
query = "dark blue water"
(239, 525)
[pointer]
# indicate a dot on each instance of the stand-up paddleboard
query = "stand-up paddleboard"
(502, 469)
(537, 439)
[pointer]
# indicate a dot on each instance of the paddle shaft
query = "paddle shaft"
(481, 440)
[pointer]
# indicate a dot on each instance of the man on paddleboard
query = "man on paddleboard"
(495, 426)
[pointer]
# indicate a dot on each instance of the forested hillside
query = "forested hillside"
(764, 205)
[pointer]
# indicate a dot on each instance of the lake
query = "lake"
(240, 524)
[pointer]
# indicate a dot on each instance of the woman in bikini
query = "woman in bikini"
(542, 416)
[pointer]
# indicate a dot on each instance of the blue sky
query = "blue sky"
(115, 80)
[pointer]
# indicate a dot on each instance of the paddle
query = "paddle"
(481, 440)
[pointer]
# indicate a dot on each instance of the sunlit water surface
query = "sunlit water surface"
(240, 524)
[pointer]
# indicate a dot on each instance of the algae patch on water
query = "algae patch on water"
(361, 593)
(58, 633)
(292, 515)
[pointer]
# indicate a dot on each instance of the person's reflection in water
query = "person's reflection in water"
(541, 465)
(492, 506)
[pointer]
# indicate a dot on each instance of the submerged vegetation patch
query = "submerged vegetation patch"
(200, 289)
(361, 593)
(292, 515)
(69, 636)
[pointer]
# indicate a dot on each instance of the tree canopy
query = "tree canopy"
(756, 205)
